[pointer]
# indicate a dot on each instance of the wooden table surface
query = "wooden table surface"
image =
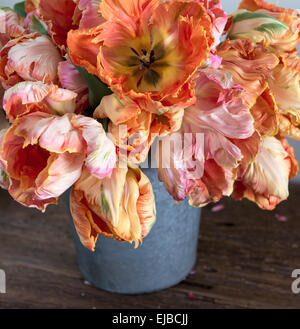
(246, 257)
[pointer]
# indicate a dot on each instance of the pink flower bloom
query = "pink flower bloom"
(11, 26)
(4, 181)
(206, 169)
(61, 16)
(44, 155)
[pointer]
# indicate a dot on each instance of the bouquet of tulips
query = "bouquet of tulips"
(88, 86)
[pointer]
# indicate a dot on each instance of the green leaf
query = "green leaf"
(105, 123)
(19, 8)
(37, 26)
(97, 88)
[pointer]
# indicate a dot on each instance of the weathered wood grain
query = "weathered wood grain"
(245, 260)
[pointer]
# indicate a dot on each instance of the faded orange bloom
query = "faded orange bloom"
(147, 50)
(120, 207)
(266, 179)
(276, 28)
(271, 86)
(285, 86)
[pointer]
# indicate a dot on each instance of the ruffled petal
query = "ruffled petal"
(67, 137)
(10, 25)
(62, 171)
(117, 110)
(289, 17)
(176, 166)
(90, 14)
(130, 12)
(265, 114)
(58, 14)
(222, 150)
(70, 78)
(83, 50)
(154, 63)
(4, 179)
(101, 152)
(285, 85)
(219, 19)
(250, 66)
(23, 163)
(34, 59)
(266, 179)
(232, 119)
(215, 183)
(257, 27)
(29, 198)
(88, 225)
(121, 207)
(26, 97)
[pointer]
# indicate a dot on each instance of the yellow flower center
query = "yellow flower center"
(151, 62)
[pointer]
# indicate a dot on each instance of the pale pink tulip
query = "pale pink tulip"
(205, 168)
(33, 57)
(26, 97)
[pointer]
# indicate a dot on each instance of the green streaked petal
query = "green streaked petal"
(245, 15)
(272, 27)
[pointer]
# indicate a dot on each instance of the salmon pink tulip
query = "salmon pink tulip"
(61, 16)
(206, 169)
(133, 129)
(266, 179)
(44, 155)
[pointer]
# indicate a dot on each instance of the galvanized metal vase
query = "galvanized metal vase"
(166, 257)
